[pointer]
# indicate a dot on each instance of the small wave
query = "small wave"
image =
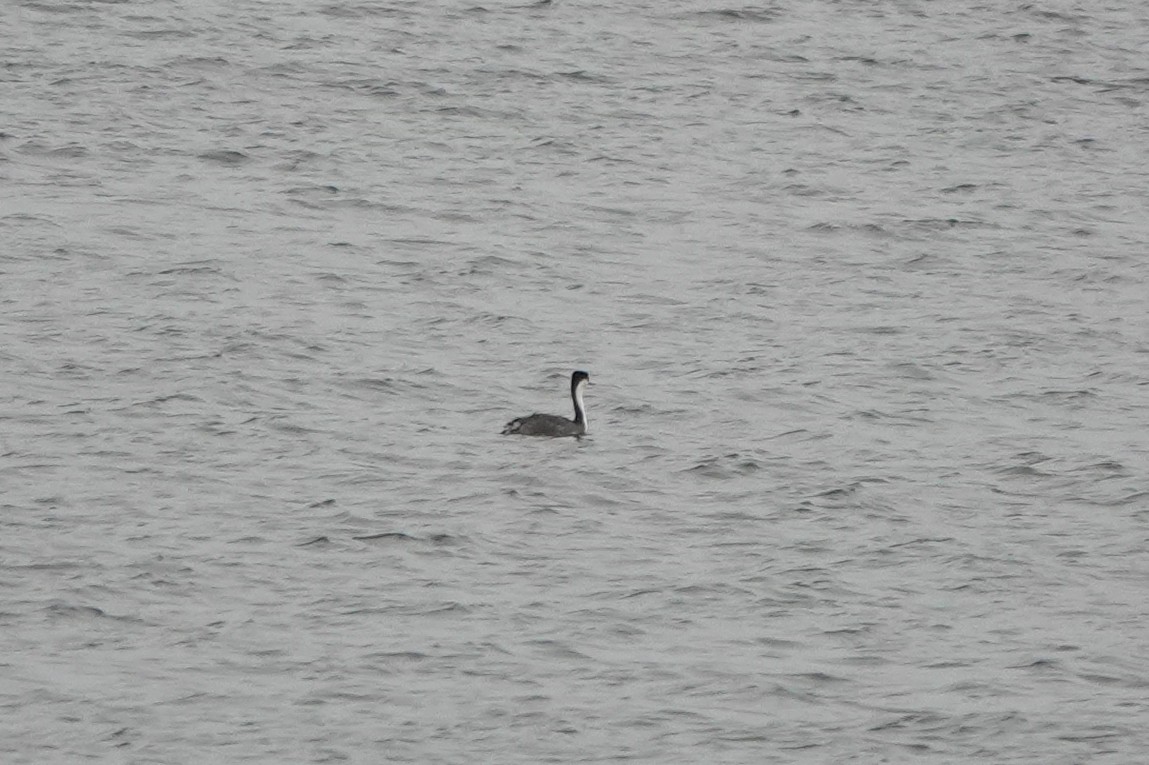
(755, 15)
(389, 535)
(224, 157)
(726, 466)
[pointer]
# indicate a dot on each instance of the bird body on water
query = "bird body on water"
(551, 424)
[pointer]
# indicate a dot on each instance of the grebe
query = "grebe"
(552, 424)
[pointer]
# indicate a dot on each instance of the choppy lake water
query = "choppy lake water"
(861, 287)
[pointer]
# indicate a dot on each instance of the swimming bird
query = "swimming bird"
(552, 424)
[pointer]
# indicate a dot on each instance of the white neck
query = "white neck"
(579, 406)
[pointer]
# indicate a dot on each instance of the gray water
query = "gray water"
(861, 287)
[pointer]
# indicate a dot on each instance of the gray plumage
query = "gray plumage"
(551, 424)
